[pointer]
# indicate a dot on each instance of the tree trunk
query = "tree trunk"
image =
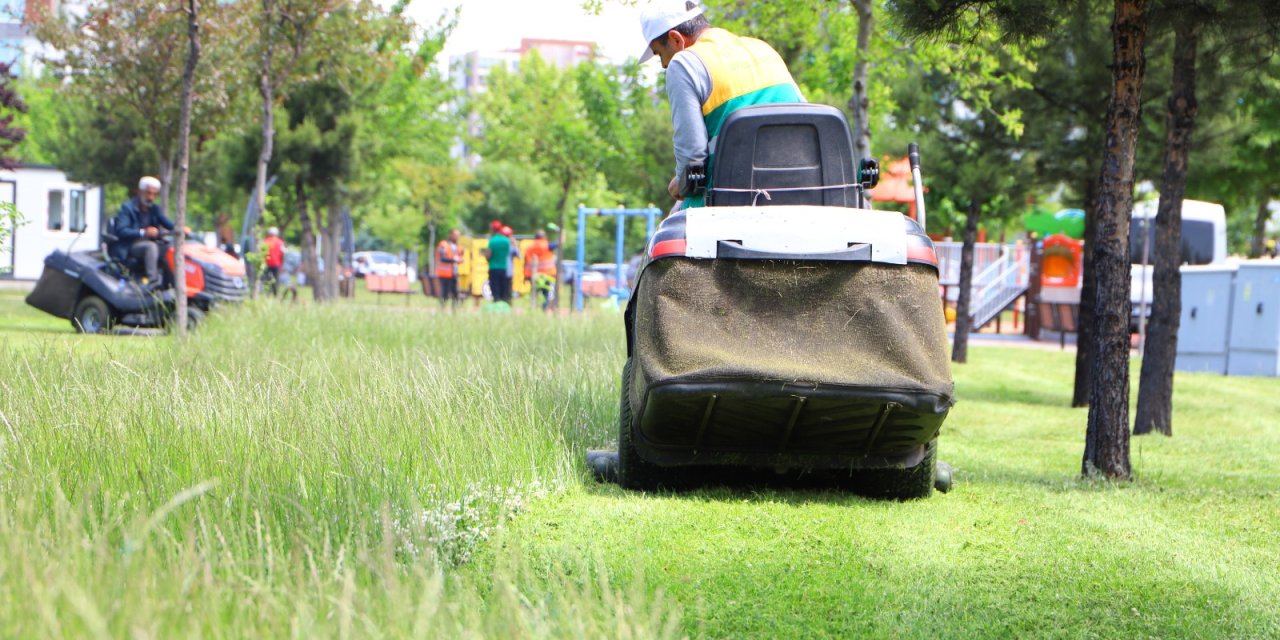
(309, 266)
(859, 103)
(332, 243)
(564, 199)
(1106, 450)
(267, 91)
(960, 349)
(184, 167)
(1260, 220)
(1155, 386)
(166, 180)
(1088, 294)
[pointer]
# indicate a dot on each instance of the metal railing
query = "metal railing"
(1001, 274)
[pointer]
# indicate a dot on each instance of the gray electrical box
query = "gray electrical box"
(1206, 318)
(1254, 348)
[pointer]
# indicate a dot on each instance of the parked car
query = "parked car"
(379, 263)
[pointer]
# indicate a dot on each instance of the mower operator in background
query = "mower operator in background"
(138, 225)
(710, 74)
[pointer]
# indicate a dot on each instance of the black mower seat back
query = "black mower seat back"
(776, 147)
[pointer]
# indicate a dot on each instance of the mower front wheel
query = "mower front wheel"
(92, 315)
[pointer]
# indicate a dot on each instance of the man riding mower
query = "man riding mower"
(131, 282)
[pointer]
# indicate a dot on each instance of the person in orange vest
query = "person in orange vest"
(448, 257)
(273, 248)
(544, 279)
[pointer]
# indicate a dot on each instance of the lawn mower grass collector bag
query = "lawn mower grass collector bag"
(789, 356)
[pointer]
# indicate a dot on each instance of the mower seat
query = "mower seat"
(116, 252)
(784, 146)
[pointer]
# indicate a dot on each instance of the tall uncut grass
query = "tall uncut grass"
(297, 471)
(385, 471)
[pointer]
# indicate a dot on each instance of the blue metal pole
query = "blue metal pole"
(620, 278)
(582, 256)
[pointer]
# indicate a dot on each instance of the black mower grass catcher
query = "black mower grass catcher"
(786, 325)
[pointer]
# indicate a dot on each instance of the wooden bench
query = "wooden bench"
(387, 284)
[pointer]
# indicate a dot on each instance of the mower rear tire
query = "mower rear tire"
(92, 315)
(195, 318)
(633, 471)
(903, 484)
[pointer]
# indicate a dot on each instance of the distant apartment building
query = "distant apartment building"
(18, 45)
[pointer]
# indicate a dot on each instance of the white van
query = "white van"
(1204, 241)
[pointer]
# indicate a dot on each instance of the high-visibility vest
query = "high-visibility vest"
(744, 72)
(540, 251)
(446, 260)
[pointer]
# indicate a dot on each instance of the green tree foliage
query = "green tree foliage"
(125, 64)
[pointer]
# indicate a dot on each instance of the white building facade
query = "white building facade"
(53, 213)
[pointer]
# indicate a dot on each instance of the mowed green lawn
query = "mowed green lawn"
(382, 471)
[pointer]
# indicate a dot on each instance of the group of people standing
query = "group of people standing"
(501, 253)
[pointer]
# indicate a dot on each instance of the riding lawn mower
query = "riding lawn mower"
(98, 293)
(786, 325)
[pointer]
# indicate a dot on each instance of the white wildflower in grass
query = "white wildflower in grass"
(448, 532)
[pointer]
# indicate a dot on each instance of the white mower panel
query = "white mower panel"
(796, 229)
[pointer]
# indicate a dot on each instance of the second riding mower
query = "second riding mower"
(786, 325)
(97, 293)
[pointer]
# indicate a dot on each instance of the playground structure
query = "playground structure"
(473, 272)
(620, 290)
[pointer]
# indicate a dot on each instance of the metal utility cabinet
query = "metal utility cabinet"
(1254, 346)
(1206, 318)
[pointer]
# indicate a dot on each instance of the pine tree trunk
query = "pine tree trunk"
(309, 265)
(332, 253)
(1106, 449)
(960, 348)
(859, 102)
(1155, 386)
(1260, 220)
(184, 166)
(1088, 294)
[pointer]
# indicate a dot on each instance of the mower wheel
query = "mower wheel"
(633, 471)
(195, 318)
(92, 315)
(903, 484)
(942, 478)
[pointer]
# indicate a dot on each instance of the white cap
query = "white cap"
(273, 231)
(149, 183)
(662, 16)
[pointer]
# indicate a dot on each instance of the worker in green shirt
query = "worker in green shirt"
(498, 253)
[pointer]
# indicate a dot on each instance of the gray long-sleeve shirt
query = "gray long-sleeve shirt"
(688, 87)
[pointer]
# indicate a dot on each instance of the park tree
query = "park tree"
(1107, 434)
(126, 62)
(287, 31)
(191, 9)
(960, 101)
(315, 150)
(11, 106)
(1188, 20)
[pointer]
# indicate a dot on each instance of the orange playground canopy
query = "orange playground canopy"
(895, 184)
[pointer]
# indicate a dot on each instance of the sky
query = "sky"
(500, 24)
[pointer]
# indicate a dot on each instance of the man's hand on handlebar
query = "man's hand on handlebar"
(674, 188)
(151, 233)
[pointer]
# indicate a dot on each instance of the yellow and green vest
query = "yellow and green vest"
(744, 72)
